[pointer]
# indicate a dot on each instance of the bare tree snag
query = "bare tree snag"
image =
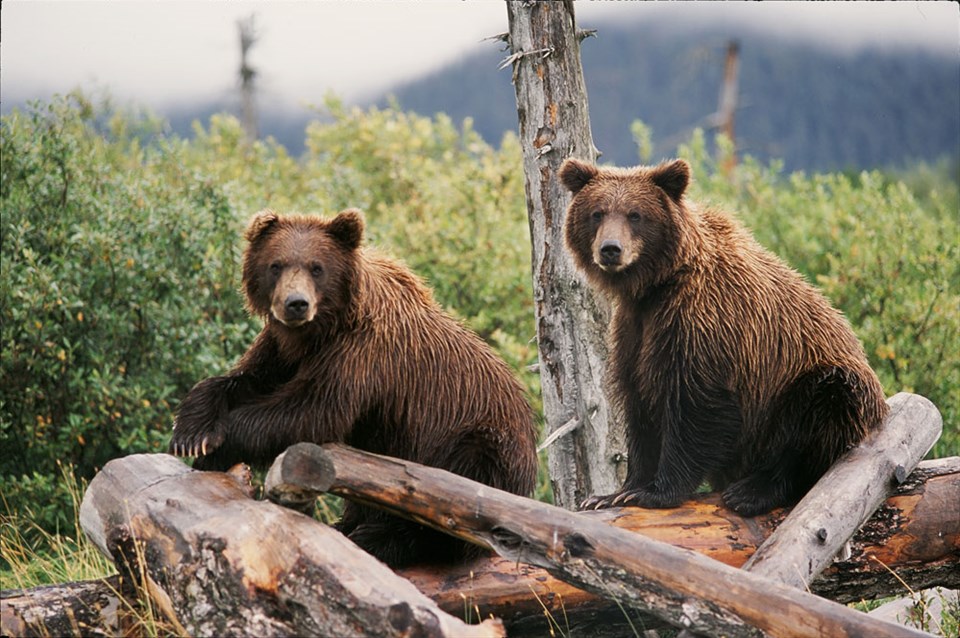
(685, 589)
(218, 563)
(587, 453)
(849, 493)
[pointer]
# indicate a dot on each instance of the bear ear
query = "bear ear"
(575, 174)
(260, 224)
(673, 177)
(347, 228)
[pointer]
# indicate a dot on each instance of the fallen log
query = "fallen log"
(849, 493)
(86, 608)
(912, 541)
(681, 587)
(215, 562)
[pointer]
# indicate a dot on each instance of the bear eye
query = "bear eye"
(633, 216)
(316, 270)
(597, 215)
(275, 268)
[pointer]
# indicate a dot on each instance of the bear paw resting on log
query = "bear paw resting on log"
(354, 349)
(727, 364)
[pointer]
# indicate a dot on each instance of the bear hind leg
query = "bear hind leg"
(826, 412)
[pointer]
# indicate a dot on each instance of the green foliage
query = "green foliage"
(119, 292)
(887, 256)
(121, 248)
(121, 252)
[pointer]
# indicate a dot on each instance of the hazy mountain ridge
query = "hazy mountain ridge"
(810, 105)
(814, 108)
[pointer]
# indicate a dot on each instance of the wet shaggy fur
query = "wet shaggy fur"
(727, 365)
(354, 349)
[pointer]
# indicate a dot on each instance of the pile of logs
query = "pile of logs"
(211, 560)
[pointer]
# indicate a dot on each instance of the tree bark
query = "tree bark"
(215, 562)
(681, 587)
(586, 455)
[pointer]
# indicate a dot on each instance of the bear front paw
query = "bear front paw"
(643, 497)
(194, 442)
(598, 502)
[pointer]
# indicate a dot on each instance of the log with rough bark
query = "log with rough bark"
(586, 454)
(216, 562)
(912, 541)
(86, 608)
(681, 587)
(849, 493)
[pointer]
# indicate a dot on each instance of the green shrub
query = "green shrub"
(118, 293)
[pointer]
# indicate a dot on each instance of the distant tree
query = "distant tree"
(248, 37)
(586, 453)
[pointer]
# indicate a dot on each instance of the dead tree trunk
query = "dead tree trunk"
(586, 455)
(216, 562)
(683, 588)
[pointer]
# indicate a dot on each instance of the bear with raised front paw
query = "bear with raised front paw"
(354, 349)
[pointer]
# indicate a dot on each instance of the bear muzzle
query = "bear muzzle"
(294, 311)
(610, 255)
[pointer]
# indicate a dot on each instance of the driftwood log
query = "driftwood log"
(216, 562)
(681, 587)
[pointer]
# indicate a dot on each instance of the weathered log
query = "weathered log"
(681, 587)
(216, 562)
(86, 608)
(911, 543)
(849, 493)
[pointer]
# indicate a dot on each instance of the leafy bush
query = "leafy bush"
(119, 292)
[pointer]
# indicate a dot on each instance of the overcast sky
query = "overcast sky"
(162, 52)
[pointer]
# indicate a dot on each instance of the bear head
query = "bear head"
(625, 224)
(300, 270)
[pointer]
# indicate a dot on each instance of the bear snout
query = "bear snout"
(295, 308)
(610, 252)
(294, 300)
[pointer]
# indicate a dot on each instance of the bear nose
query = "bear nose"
(296, 306)
(610, 250)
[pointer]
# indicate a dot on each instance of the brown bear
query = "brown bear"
(726, 364)
(355, 349)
